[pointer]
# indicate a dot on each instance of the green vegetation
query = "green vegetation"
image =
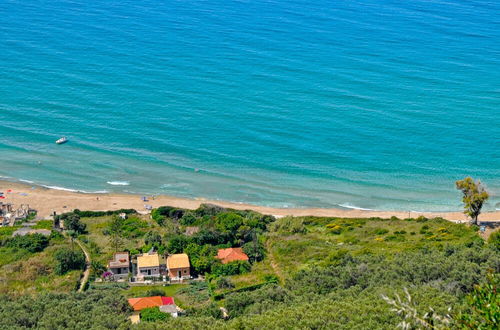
(153, 314)
(31, 243)
(27, 265)
(474, 196)
(72, 222)
(92, 310)
(304, 272)
(67, 260)
(44, 224)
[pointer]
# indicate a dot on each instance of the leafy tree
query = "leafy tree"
(177, 244)
(97, 267)
(474, 196)
(89, 310)
(254, 250)
(232, 268)
(152, 238)
(228, 222)
(115, 230)
(72, 222)
(188, 219)
(67, 260)
(202, 257)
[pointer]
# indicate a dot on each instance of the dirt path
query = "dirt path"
(274, 265)
(86, 273)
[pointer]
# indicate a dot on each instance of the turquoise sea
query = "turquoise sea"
(357, 104)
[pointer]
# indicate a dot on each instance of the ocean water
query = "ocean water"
(357, 104)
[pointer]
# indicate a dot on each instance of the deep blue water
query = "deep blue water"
(371, 104)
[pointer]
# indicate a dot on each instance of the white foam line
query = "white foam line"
(348, 206)
(118, 183)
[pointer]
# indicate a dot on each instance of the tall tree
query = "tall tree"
(116, 232)
(474, 196)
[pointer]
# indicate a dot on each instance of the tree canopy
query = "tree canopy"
(474, 196)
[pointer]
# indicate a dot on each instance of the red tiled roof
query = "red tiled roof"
(147, 302)
(231, 254)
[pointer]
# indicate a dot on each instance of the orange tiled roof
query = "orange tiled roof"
(231, 254)
(147, 302)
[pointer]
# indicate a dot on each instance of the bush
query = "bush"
(210, 210)
(232, 268)
(177, 244)
(152, 238)
(154, 314)
(224, 283)
(381, 231)
(254, 250)
(188, 219)
(67, 260)
(96, 214)
(494, 240)
(31, 243)
(289, 225)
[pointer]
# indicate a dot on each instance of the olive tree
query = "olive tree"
(474, 196)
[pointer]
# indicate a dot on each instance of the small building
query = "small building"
(165, 304)
(231, 254)
(119, 266)
(170, 309)
(148, 264)
(178, 266)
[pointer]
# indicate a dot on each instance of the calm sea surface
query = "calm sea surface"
(369, 104)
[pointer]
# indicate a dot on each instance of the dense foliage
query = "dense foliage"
(305, 272)
(31, 243)
(153, 314)
(217, 227)
(67, 260)
(72, 222)
(474, 196)
(93, 310)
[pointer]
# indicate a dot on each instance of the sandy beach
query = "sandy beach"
(46, 201)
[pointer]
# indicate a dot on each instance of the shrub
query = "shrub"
(289, 225)
(254, 250)
(209, 210)
(224, 283)
(153, 314)
(188, 219)
(494, 239)
(152, 238)
(381, 231)
(232, 268)
(31, 243)
(67, 260)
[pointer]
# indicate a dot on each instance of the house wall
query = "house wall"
(174, 272)
(155, 271)
(119, 273)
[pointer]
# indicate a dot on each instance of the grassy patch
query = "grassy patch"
(44, 224)
(324, 236)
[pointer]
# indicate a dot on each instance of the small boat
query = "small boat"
(62, 140)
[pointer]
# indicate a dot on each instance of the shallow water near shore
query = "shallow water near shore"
(277, 103)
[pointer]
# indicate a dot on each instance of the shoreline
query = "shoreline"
(46, 201)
